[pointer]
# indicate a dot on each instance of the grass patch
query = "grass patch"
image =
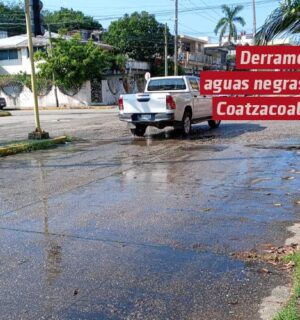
(291, 310)
(5, 114)
(30, 145)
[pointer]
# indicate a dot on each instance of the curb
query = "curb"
(30, 145)
(5, 114)
(109, 107)
(59, 140)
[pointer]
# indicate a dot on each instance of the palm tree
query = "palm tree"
(228, 22)
(283, 21)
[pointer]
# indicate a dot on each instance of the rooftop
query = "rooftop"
(20, 41)
(192, 38)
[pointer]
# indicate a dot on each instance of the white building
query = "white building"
(247, 39)
(14, 59)
(14, 55)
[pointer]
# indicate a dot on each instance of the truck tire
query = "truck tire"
(139, 130)
(214, 123)
(186, 123)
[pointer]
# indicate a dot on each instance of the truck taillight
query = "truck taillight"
(121, 103)
(171, 104)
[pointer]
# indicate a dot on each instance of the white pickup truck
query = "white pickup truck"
(167, 101)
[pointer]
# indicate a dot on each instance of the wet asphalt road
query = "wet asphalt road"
(115, 227)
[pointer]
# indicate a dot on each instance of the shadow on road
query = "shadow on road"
(200, 132)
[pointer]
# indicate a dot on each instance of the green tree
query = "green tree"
(159, 70)
(228, 22)
(70, 19)
(12, 18)
(282, 21)
(138, 35)
(73, 62)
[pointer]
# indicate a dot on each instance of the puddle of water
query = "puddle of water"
(213, 148)
(287, 146)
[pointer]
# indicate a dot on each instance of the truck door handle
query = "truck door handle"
(204, 96)
(195, 96)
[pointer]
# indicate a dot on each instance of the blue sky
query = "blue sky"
(194, 22)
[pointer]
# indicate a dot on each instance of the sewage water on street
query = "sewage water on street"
(117, 227)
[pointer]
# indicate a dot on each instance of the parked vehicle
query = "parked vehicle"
(167, 101)
(2, 103)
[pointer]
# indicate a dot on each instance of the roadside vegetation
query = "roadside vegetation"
(292, 310)
(283, 21)
(12, 13)
(141, 37)
(287, 259)
(4, 113)
(15, 147)
(72, 20)
(228, 22)
(73, 62)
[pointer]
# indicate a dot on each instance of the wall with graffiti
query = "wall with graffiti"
(19, 96)
(114, 86)
(103, 92)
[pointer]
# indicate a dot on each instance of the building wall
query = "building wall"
(25, 99)
(244, 39)
(193, 57)
(247, 39)
(107, 96)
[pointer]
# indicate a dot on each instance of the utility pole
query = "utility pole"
(53, 75)
(166, 50)
(176, 39)
(254, 18)
(38, 133)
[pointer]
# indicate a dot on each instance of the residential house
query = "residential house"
(245, 39)
(14, 55)
(218, 55)
(14, 59)
(194, 56)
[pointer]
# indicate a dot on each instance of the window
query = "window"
(11, 54)
(194, 84)
(187, 47)
(166, 84)
(3, 55)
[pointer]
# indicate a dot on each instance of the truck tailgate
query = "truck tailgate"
(145, 103)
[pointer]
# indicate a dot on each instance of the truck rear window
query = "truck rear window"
(166, 84)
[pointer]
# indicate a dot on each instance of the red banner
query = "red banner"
(249, 83)
(256, 108)
(268, 57)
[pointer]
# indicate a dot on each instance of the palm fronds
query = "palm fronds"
(283, 21)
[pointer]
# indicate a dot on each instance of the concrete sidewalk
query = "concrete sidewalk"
(104, 107)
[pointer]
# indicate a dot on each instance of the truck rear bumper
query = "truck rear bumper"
(149, 118)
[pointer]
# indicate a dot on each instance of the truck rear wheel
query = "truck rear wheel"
(139, 130)
(186, 124)
(214, 123)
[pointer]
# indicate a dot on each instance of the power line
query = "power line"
(17, 18)
(187, 10)
(202, 15)
(184, 10)
(207, 14)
